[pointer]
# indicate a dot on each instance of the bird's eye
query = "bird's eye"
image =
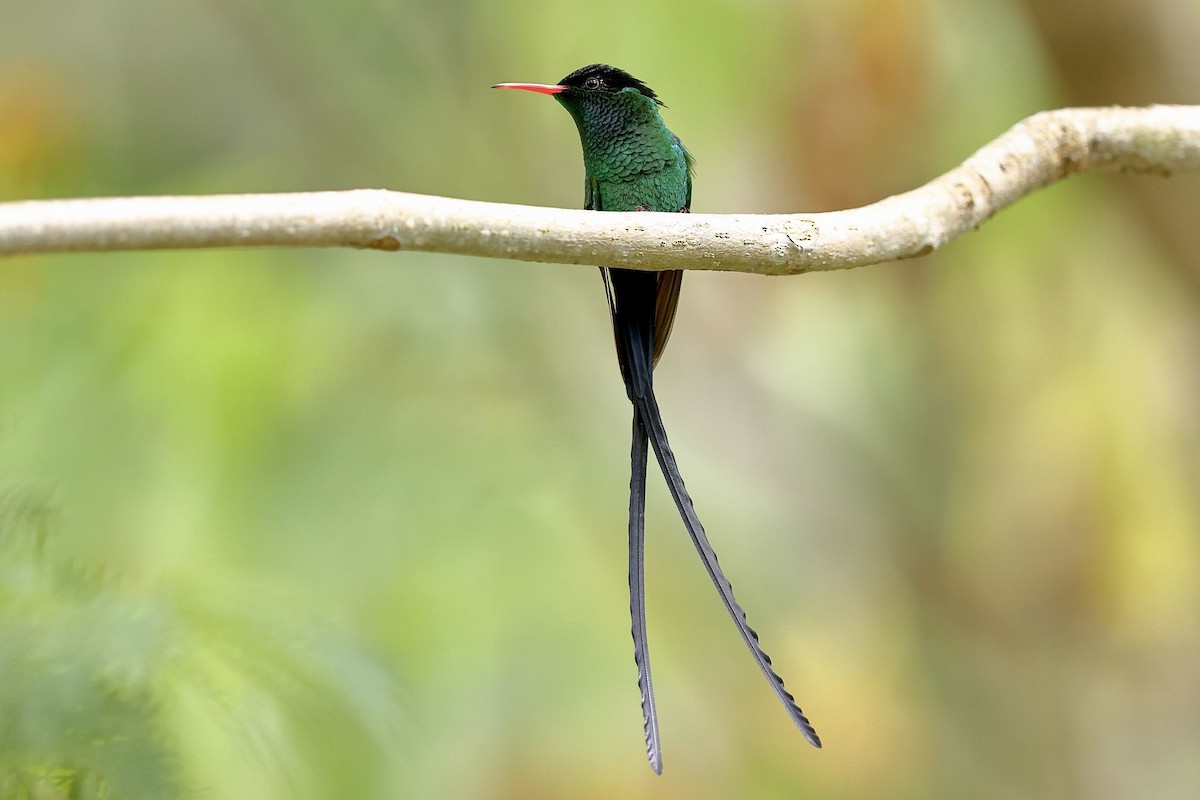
(592, 83)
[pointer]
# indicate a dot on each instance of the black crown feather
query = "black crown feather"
(611, 79)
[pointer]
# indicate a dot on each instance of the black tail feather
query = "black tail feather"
(637, 590)
(632, 298)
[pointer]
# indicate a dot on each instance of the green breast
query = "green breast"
(664, 190)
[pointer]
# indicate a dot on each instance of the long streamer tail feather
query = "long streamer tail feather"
(639, 458)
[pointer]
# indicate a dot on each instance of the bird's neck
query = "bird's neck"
(631, 137)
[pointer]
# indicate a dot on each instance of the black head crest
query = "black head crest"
(603, 78)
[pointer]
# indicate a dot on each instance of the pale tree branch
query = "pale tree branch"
(1036, 152)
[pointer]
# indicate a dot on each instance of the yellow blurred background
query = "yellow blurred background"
(317, 524)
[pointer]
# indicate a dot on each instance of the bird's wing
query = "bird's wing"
(666, 300)
(691, 171)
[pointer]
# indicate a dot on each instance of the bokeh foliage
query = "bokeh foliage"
(342, 524)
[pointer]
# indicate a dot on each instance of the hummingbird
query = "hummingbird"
(632, 162)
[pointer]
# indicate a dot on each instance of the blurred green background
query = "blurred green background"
(315, 524)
